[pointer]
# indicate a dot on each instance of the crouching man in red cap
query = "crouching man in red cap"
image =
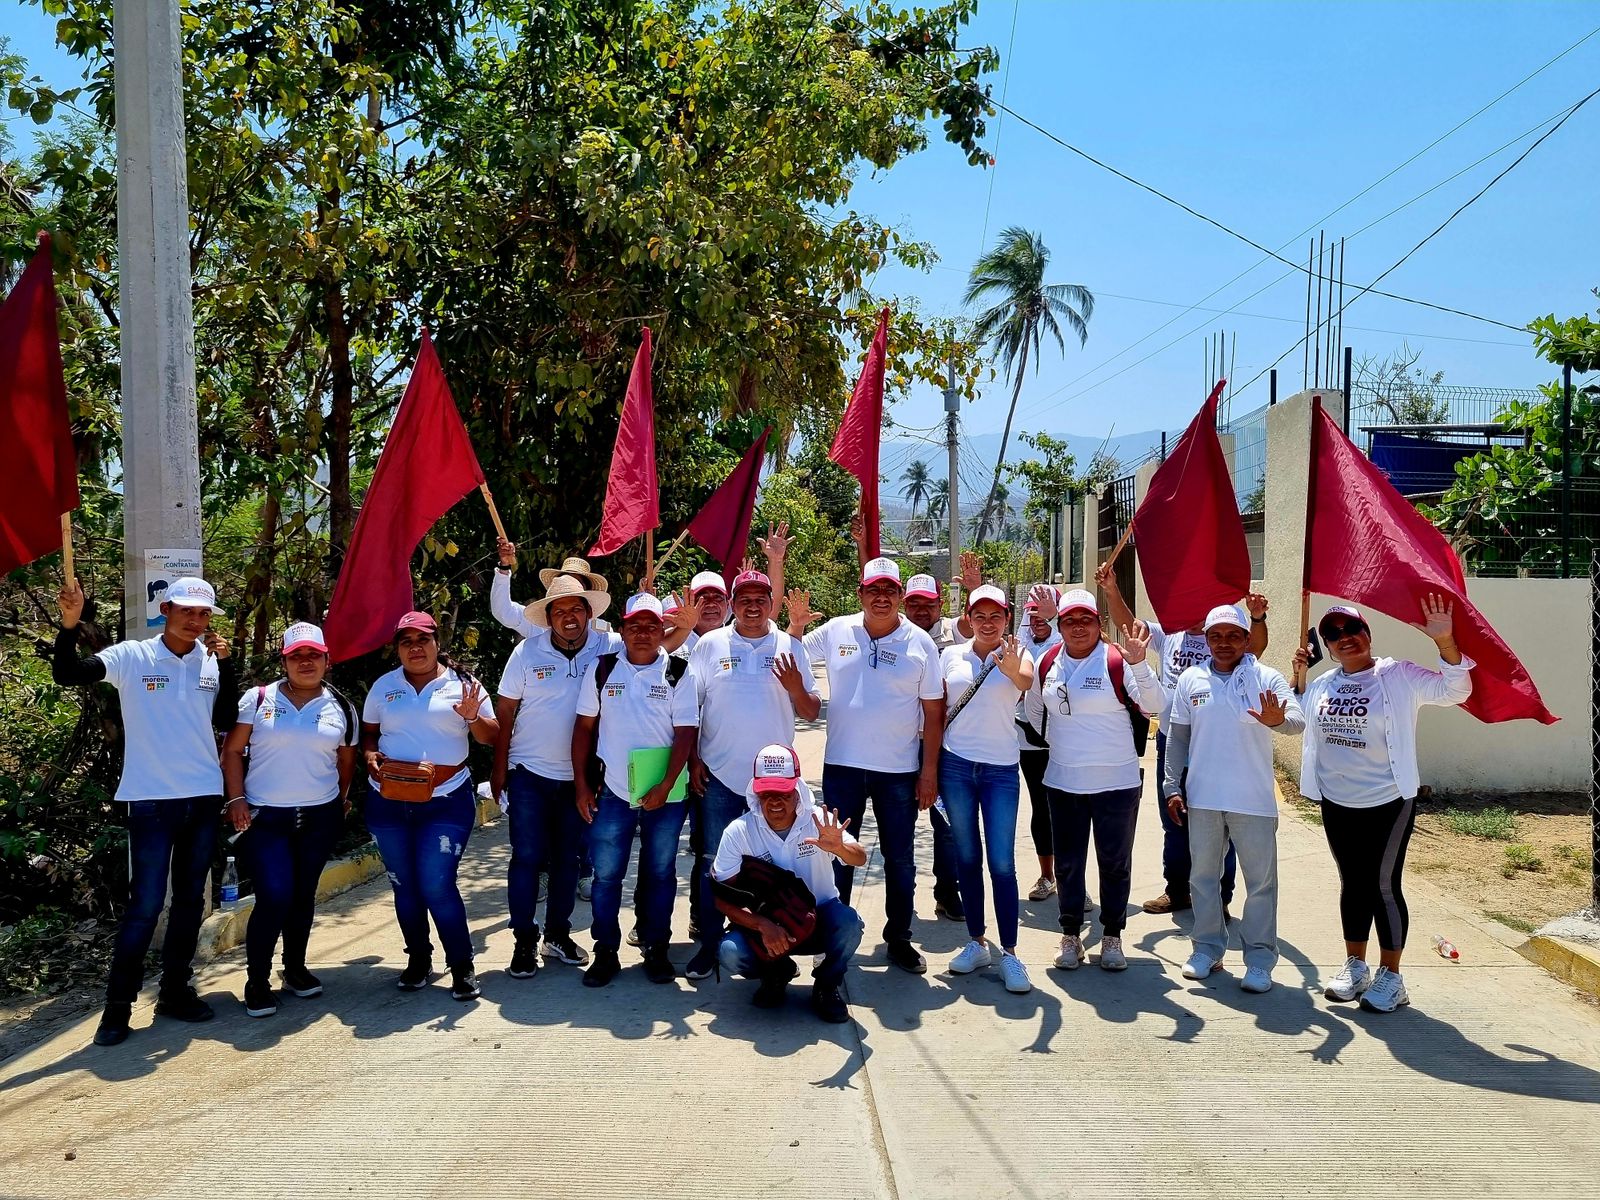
(774, 882)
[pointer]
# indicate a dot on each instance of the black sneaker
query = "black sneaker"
(603, 970)
(704, 964)
(258, 999)
(828, 1004)
(113, 1030)
(564, 949)
(183, 1005)
(904, 955)
(658, 967)
(415, 977)
(949, 907)
(298, 981)
(775, 983)
(464, 983)
(524, 960)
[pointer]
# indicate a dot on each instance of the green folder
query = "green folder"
(648, 767)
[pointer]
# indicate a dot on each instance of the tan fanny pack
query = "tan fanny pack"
(411, 782)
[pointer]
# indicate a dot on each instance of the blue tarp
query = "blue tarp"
(1416, 466)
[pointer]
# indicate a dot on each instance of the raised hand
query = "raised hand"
(971, 571)
(830, 831)
(1256, 605)
(1438, 613)
(216, 643)
(472, 698)
(777, 542)
(1105, 576)
(1270, 713)
(1044, 598)
(797, 605)
(787, 672)
(70, 600)
(686, 616)
(858, 529)
(1135, 642)
(507, 550)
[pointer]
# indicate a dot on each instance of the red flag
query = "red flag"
(633, 499)
(722, 525)
(855, 446)
(427, 465)
(38, 466)
(1366, 543)
(1192, 551)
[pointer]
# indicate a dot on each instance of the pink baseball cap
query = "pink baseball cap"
(777, 769)
(879, 569)
(642, 604)
(923, 585)
(751, 579)
(417, 620)
(303, 635)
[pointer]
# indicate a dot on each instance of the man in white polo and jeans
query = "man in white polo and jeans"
(922, 604)
(1224, 712)
(178, 691)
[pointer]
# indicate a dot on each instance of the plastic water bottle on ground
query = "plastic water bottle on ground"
(230, 886)
(1445, 949)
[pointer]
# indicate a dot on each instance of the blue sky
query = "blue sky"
(1265, 116)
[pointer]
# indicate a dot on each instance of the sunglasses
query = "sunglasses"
(1333, 632)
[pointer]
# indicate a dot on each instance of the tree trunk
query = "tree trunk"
(1005, 438)
(261, 578)
(341, 514)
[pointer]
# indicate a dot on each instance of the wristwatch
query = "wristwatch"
(1255, 620)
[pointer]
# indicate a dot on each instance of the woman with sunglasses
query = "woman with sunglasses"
(978, 777)
(1359, 760)
(1090, 690)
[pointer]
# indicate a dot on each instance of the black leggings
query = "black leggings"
(1033, 765)
(1369, 846)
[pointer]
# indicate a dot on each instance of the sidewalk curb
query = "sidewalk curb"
(223, 931)
(1571, 962)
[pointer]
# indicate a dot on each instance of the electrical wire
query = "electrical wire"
(1005, 87)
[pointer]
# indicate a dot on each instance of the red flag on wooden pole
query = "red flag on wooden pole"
(855, 446)
(722, 526)
(1366, 543)
(427, 465)
(1192, 549)
(633, 498)
(38, 466)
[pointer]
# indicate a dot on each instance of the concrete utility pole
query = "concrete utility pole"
(952, 413)
(160, 424)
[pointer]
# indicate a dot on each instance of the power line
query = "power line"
(1005, 86)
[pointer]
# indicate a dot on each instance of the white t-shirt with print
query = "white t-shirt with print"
(545, 683)
(1230, 752)
(1353, 767)
(875, 692)
(743, 707)
(1175, 653)
(639, 710)
(1090, 733)
(294, 752)
(169, 748)
(985, 730)
(420, 726)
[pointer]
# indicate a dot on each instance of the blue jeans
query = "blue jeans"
(546, 831)
(994, 791)
(166, 838)
(709, 815)
(287, 848)
(422, 846)
(1175, 861)
(610, 845)
(1112, 816)
(837, 935)
(894, 804)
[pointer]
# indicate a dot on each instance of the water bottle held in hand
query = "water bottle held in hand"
(230, 886)
(1444, 947)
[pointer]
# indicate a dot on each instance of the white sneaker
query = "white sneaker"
(1072, 952)
(1353, 979)
(1014, 974)
(1256, 979)
(973, 955)
(1387, 993)
(1044, 889)
(1111, 956)
(1199, 966)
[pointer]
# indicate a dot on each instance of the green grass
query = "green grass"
(1494, 824)
(1572, 856)
(1515, 922)
(1520, 857)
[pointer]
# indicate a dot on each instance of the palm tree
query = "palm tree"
(938, 499)
(917, 486)
(1010, 278)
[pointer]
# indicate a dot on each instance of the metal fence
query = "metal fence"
(1448, 412)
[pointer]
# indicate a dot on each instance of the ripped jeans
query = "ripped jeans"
(422, 846)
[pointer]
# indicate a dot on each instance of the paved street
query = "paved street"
(1097, 1085)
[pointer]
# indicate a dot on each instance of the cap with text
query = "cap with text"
(671, 604)
(753, 579)
(416, 620)
(193, 592)
(879, 569)
(707, 580)
(640, 606)
(990, 593)
(1227, 614)
(1340, 610)
(922, 585)
(777, 769)
(303, 635)
(1077, 600)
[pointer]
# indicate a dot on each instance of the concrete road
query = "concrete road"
(1138, 1084)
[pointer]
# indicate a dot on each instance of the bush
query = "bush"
(1495, 824)
(1520, 857)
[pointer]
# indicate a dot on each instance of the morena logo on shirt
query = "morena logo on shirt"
(846, 649)
(542, 672)
(612, 690)
(391, 696)
(155, 683)
(1199, 699)
(730, 663)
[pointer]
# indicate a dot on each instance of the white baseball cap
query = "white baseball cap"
(1227, 614)
(303, 634)
(879, 569)
(193, 592)
(991, 593)
(777, 769)
(923, 585)
(1077, 598)
(642, 604)
(707, 579)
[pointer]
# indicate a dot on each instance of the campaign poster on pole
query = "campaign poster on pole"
(161, 567)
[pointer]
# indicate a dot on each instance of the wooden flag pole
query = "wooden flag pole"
(650, 557)
(494, 513)
(1305, 624)
(667, 553)
(1126, 534)
(1301, 673)
(68, 576)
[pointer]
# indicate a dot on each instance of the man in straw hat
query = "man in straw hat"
(514, 616)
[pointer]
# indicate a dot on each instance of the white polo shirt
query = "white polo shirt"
(875, 692)
(294, 752)
(545, 683)
(1230, 752)
(1175, 653)
(169, 749)
(743, 707)
(985, 730)
(750, 834)
(1091, 746)
(1030, 707)
(639, 711)
(420, 726)
(945, 633)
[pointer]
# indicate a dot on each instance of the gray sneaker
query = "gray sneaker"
(1387, 993)
(1353, 979)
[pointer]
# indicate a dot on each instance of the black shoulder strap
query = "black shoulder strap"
(675, 669)
(603, 666)
(349, 712)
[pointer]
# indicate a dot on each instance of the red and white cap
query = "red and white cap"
(777, 769)
(671, 604)
(416, 620)
(706, 579)
(193, 592)
(302, 635)
(879, 569)
(641, 604)
(990, 593)
(751, 579)
(1341, 610)
(1075, 600)
(922, 585)
(1227, 614)
(1031, 603)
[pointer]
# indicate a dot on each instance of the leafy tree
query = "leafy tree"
(1401, 389)
(1054, 480)
(1021, 308)
(938, 499)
